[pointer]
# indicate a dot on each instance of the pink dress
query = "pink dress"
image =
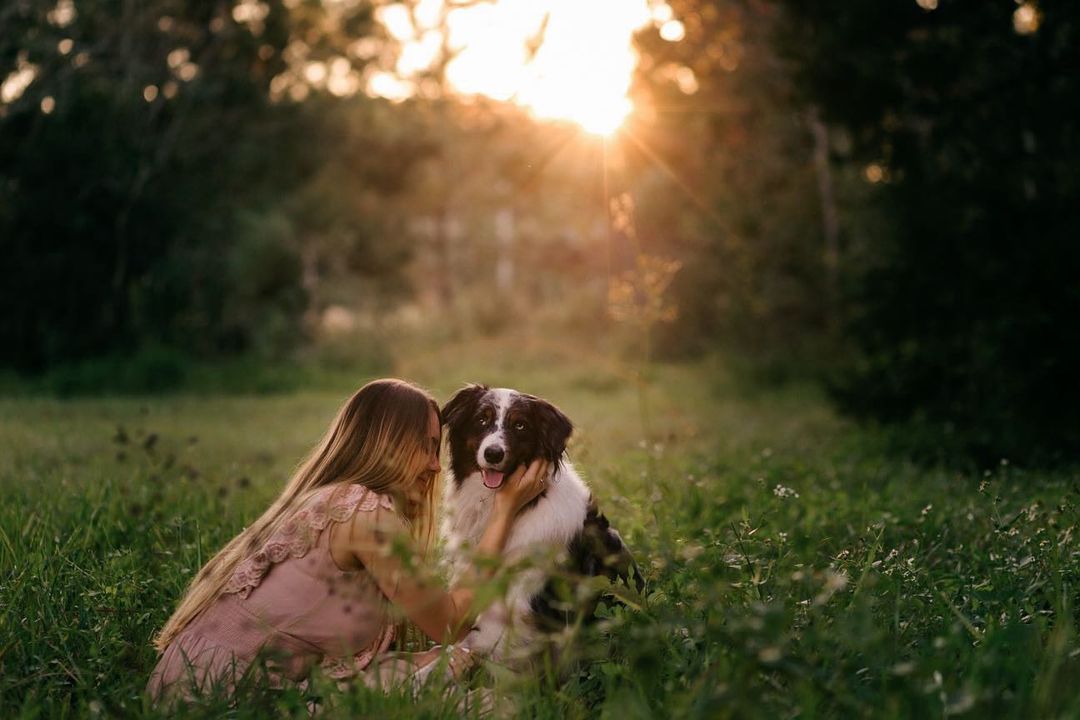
(290, 602)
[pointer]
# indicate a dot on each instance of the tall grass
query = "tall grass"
(794, 569)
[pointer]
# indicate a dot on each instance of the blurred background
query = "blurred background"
(256, 196)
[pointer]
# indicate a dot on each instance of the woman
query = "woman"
(311, 580)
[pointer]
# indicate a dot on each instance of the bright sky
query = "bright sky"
(581, 72)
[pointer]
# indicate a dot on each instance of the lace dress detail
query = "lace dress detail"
(296, 537)
(292, 601)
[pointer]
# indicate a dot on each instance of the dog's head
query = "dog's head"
(493, 431)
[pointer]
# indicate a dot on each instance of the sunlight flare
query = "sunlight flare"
(560, 59)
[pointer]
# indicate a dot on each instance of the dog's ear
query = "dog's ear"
(463, 405)
(554, 429)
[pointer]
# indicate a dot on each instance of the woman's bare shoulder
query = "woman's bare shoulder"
(381, 520)
(366, 534)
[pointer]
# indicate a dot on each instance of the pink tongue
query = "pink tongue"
(492, 478)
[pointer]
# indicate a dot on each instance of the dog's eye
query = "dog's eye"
(520, 426)
(482, 421)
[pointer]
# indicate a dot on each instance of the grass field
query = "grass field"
(794, 568)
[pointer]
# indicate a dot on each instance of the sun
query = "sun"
(597, 115)
(561, 59)
(604, 119)
(583, 69)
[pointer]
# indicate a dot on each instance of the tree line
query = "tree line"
(882, 192)
(898, 179)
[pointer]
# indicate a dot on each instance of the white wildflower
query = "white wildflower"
(834, 583)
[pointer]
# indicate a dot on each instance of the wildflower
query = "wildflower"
(784, 492)
(834, 583)
(770, 654)
(638, 296)
(691, 551)
(959, 703)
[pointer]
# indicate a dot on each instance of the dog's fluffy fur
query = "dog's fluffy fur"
(491, 432)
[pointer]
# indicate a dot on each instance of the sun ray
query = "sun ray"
(674, 176)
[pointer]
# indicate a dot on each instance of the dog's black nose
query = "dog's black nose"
(494, 454)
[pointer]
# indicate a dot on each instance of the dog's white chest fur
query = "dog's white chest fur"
(549, 525)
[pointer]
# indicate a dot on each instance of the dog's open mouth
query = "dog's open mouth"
(493, 479)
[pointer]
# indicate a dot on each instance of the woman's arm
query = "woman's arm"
(380, 543)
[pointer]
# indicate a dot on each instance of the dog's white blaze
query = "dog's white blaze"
(550, 524)
(503, 398)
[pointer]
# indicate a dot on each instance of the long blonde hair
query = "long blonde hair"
(378, 440)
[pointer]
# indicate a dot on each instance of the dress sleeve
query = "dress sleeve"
(297, 535)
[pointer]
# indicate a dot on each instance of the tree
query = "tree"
(964, 293)
(143, 145)
(720, 115)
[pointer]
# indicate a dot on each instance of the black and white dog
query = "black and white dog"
(491, 432)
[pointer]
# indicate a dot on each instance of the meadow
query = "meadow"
(795, 568)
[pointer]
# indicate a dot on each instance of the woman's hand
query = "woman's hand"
(444, 617)
(462, 662)
(521, 487)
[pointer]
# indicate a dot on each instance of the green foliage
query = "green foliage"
(150, 370)
(334, 363)
(793, 568)
(964, 284)
(155, 189)
(935, 135)
(263, 270)
(744, 212)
